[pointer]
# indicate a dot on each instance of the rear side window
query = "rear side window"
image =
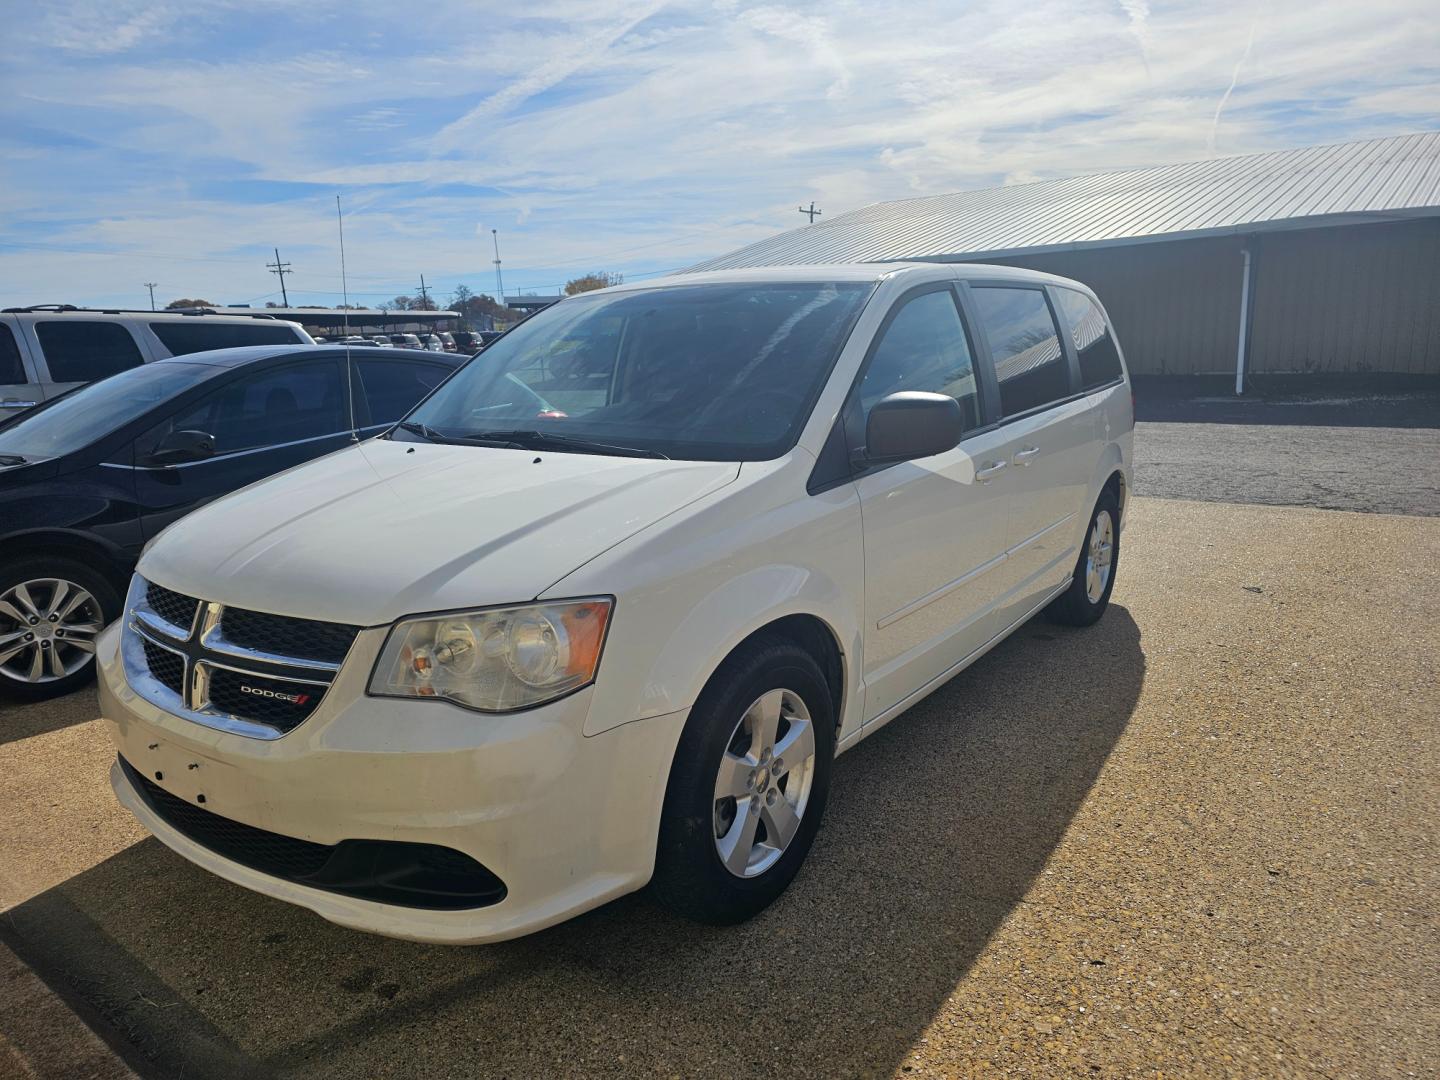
(392, 387)
(196, 335)
(281, 405)
(1029, 363)
(924, 348)
(1099, 359)
(11, 369)
(77, 351)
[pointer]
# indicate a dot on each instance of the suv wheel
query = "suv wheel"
(51, 610)
(748, 786)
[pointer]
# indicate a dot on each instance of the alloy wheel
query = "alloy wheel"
(1099, 556)
(763, 784)
(47, 630)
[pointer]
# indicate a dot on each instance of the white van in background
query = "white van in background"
(51, 348)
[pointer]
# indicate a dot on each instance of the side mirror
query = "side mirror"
(181, 446)
(911, 424)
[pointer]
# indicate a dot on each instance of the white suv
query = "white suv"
(52, 348)
(603, 609)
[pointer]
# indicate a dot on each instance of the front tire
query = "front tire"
(51, 609)
(1088, 596)
(748, 785)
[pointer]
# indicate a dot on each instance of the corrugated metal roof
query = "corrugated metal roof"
(1378, 179)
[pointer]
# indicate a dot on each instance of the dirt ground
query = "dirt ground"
(1196, 839)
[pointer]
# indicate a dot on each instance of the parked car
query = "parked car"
(51, 348)
(87, 479)
(407, 341)
(489, 337)
(602, 610)
(447, 340)
(432, 342)
(466, 341)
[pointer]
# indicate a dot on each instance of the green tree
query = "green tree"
(175, 305)
(400, 303)
(600, 279)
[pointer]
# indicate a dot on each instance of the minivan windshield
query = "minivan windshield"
(90, 413)
(713, 372)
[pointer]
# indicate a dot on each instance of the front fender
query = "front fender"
(729, 614)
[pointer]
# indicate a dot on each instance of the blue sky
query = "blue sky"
(179, 143)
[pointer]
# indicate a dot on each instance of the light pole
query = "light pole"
(499, 281)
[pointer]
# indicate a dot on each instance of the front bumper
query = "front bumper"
(565, 821)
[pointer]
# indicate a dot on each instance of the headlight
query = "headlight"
(495, 660)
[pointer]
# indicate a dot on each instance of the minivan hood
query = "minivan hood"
(386, 529)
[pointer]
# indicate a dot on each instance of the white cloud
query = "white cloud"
(599, 134)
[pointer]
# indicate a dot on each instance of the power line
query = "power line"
(277, 267)
(151, 286)
(424, 294)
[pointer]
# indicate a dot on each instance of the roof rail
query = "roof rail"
(239, 313)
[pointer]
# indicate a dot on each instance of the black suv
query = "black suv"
(87, 479)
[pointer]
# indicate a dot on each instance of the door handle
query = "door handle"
(1023, 456)
(990, 471)
(15, 403)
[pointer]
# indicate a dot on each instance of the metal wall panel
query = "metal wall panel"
(1346, 299)
(1175, 306)
(1354, 299)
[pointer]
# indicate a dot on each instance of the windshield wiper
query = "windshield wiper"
(11, 459)
(538, 440)
(421, 430)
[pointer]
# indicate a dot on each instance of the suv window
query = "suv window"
(77, 351)
(11, 369)
(1029, 363)
(280, 405)
(924, 348)
(1099, 359)
(392, 387)
(197, 335)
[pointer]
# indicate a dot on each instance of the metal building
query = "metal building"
(1324, 259)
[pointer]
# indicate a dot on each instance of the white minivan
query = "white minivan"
(602, 610)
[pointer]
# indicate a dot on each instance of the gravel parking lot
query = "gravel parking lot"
(1196, 839)
(1376, 453)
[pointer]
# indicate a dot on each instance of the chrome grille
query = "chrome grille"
(306, 639)
(248, 672)
(175, 608)
(166, 666)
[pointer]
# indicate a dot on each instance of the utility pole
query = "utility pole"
(151, 286)
(424, 296)
(499, 282)
(812, 212)
(277, 267)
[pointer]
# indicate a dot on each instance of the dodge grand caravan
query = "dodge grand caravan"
(603, 609)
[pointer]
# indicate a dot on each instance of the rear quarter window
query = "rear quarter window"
(82, 351)
(197, 335)
(1099, 358)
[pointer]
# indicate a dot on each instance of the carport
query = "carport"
(1322, 260)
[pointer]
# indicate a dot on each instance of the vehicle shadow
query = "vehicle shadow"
(22, 720)
(936, 828)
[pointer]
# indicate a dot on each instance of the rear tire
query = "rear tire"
(1088, 596)
(51, 610)
(739, 818)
